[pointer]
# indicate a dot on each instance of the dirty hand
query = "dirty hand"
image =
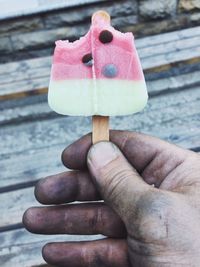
(144, 225)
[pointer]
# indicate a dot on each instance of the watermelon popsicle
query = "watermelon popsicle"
(99, 74)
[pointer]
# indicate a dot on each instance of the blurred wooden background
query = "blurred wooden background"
(33, 136)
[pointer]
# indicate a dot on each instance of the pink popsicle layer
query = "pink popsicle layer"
(67, 60)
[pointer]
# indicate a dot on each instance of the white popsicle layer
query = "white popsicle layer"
(107, 97)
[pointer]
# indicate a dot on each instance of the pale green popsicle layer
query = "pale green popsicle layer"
(106, 98)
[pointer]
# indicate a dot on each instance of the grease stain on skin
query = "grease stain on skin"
(151, 217)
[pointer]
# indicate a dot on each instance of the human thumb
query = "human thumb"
(117, 180)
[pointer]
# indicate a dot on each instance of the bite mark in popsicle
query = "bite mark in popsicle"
(99, 74)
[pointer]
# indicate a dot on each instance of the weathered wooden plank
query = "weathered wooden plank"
(35, 7)
(140, 43)
(31, 136)
(170, 58)
(156, 40)
(41, 134)
(42, 110)
(29, 73)
(166, 37)
(17, 202)
(20, 248)
(23, 65)
(33, 75)
(174, 117)
(25, 87)
(26, 167)
(169, 47)
(38, 86)
(25, 112)
(173, 83)
(39, 68)
(22, 236)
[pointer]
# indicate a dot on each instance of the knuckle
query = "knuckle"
(115, 181)
(96, 220)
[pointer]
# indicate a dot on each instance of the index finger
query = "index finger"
(139, 149)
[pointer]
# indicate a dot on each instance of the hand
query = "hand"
(146, 226)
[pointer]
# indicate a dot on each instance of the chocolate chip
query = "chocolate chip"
(105, 37)
(87, 60)
(110, 71)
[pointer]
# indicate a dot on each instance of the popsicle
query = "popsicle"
(98, 75)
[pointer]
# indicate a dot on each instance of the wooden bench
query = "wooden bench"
(33, 136)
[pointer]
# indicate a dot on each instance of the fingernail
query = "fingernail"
(102, 154)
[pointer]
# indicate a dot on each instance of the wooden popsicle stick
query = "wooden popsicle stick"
(100, 129)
